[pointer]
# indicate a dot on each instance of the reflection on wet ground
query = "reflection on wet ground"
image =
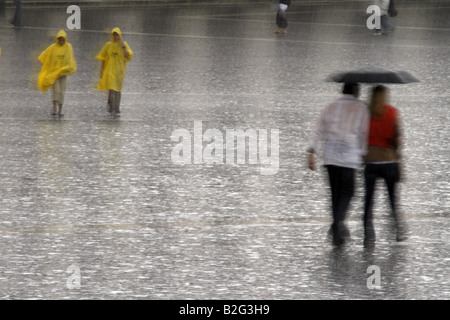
(104, 194)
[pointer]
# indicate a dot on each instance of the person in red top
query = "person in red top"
(382, 159)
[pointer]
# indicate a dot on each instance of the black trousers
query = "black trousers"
(342, 183)
(281, 19)
(390, 173)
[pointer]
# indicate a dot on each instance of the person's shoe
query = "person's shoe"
(14, 23)
(60, 114)
(339, 240)
(369, 231)
(369, 234)
(339, 234)
(370, 245)
(344, 232)
(369, 241)
(401, 235)
(402, 230)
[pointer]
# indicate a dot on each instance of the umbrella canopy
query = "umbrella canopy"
(372, 75)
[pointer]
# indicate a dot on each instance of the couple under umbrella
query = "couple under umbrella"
(352, 134)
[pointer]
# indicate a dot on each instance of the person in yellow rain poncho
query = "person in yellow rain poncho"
(58, 63)
(114, 56)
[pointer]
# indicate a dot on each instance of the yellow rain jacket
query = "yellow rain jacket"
(114, 64)
(57, 61)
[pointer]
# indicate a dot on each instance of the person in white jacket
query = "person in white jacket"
(384, 16)
(342, 128)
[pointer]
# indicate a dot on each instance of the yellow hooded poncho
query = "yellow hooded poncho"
(57, 61)
(114, 63)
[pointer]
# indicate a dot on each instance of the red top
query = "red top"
(382, 128)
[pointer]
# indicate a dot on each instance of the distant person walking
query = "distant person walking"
(114, 56)
(58, 63)
(385, 7)
(17, 20)
(281, 19)
(342, 127)
(382, 159)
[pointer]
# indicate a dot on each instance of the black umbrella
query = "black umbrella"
(372, 75)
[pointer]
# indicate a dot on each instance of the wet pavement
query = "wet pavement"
(104, 194)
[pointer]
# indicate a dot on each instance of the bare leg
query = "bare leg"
(55, 106)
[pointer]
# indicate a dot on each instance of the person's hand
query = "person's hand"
(122, 43)
(311, 162)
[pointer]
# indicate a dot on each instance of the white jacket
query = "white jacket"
(384, 6)
(343, 127)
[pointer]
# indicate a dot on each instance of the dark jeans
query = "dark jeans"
(390, 173)
(281, 19)
(342, 183)
(385, 23)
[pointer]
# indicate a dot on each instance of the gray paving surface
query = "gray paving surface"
(104, 194)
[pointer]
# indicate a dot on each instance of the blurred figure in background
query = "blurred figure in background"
(58, 63)
(281, 16)
(386, 25)
(382, 159)
(17, 20)
(342, 127)
(114, 56)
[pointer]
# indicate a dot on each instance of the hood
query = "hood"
(60, 34)
(118, 32)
